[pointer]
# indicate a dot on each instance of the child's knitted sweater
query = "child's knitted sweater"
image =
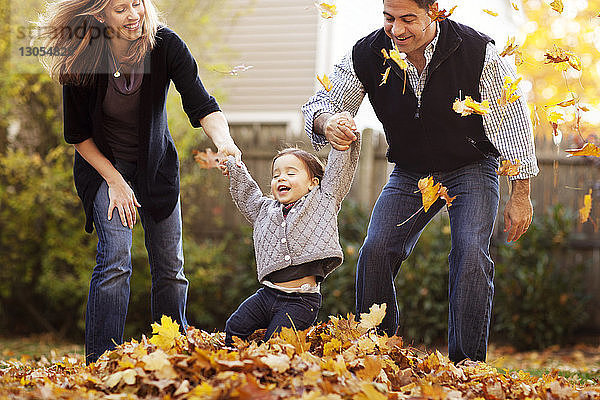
(310, 230)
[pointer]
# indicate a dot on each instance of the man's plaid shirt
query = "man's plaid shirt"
(508, 127)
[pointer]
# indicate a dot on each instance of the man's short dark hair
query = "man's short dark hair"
(424, 4)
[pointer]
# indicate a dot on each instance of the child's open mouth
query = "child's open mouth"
(283, 189)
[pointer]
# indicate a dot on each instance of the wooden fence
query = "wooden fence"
(561, 180)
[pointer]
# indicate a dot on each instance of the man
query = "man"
(446, 60)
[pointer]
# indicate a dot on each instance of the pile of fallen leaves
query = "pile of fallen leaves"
(340, 359)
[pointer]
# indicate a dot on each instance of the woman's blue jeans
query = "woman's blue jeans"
(109, 288)
(472, 215)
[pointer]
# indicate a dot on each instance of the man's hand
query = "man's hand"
(519, 210)
(338, 129)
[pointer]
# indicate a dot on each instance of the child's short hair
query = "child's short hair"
(313, 164)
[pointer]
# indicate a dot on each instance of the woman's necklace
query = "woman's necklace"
(117, 73)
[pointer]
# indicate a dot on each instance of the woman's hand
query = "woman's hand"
(122, 197)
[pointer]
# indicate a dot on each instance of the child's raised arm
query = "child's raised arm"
(340, 169)
(245, 192)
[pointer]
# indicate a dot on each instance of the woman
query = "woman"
(115, 64)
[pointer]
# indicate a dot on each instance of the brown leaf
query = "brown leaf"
(508, 168)
(588, 149)
(207, 159)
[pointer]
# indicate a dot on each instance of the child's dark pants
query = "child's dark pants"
(272, 309)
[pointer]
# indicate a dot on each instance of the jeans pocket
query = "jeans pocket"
(312, 301)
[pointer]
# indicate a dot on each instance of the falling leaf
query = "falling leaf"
(235, 71)
(515, 6)
(557, 5)
(469, 106)
(325, 82)
(165, 333)
(509, 168)
(511, 48)
(584, 212)
(207, 159)
(327, 10)
(439, 15)
(385, 76)
(509, 89)
(429, 191)
(374, 317)
(492, 13)
(588, 149)
(399, 58)
(562, 57)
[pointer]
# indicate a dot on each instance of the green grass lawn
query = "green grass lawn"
(36, 347)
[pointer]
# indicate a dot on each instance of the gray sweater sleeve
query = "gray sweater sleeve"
(340, 169)
(245, 192)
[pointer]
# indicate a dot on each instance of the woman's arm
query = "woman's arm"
(217, 129)
(120, 194)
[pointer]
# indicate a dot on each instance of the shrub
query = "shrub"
(540, 297)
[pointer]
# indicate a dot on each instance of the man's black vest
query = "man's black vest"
(433, 137)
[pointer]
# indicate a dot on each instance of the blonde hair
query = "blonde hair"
(72, 27)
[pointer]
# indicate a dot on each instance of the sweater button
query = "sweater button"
(283, 224)
(283, 240)
(287, 258)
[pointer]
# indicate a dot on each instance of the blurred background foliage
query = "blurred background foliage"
(46, 258)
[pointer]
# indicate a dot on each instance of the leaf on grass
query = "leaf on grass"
(584, 212)
(325, 82)
(509, 168)
(509, 91)
(277, 362)
(207, 159)
(469, 106)
(588, 149)
(374, 317)
(490, 12)
(327, 10)
(562, 58)
(557, 5)
(165, 333)
(158, 362)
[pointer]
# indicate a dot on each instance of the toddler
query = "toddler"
(296, 240)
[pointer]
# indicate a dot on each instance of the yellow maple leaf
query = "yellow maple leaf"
(325, 82)
(509, 91)
(429, 191)
(584, 212)
(492, 13)
(165, 333)
(469, 106)
(374, 317)
(508, 168)
(511, 48)
(515, 6)
(563, 58)
(327, 10)
(332, 347)
(588, 149)
(557, 5)
(399, 58)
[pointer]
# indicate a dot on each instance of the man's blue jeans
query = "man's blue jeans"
(272, 309)
(472, 215)
(109, 288)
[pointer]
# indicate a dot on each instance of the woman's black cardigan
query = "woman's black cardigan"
(158, 163)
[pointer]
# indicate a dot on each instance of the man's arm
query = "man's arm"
(346, 95)
(509, 129)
